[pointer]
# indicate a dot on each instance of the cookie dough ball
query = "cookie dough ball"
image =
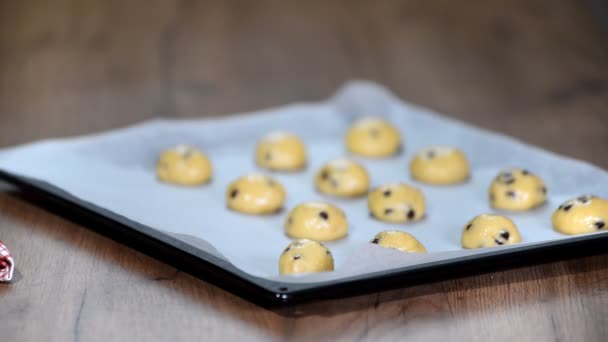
(374, 138)
(396, 203)
(343, 178)
(440, 165)
(489, 230)
(183, 165)
(316, 221)
(255, 194)
(305, 256)
(517, 190)
(398, 240)
(584, 214)
(281, 151)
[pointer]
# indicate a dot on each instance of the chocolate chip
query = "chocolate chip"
(268, 156)
(376, 241)
(583, 199)
(430, 154)
(498, 242)
(492, 197)
(525, 172)
(324, 215)
(324, 175)
(509, 181)
(387, 193)
(372, 215)
(334, 183)
(543, 190)
(599, 224)
(328, 252)
(188, 153)
(234, 193)
(411, 214)
(469, 226)
(286, 249)
(296, 257)
(510, 193)
(505, 235)
(567, 207)
(388, 211)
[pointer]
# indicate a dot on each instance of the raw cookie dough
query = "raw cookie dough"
(316, 221)
(342, 177)
(517, 190)
(396, 203)
(281, 151)
(489, 230)
(305, 256)
(398, 240)
(183, 165)
(440, 165)
(584, 214)
(255, 194)
(373, 137)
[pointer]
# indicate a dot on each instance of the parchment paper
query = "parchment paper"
(115, 171)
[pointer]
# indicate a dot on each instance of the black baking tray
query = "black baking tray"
(274, 294)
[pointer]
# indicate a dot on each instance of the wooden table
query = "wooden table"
(534, 69)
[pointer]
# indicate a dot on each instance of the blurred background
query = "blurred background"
(534, 69)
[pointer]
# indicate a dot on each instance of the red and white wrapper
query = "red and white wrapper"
(7, 264)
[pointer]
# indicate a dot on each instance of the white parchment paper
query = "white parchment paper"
(115, 171)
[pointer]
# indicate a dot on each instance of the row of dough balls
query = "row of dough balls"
(584, 214)
(515, 189)
(282, 151)
(308, 256)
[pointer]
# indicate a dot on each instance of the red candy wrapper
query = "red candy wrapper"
(7, 264)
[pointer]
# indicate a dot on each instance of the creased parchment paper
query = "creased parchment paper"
(115, 171)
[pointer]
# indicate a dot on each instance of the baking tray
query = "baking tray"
(275, 292)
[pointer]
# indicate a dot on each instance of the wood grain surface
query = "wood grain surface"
(533, 69)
